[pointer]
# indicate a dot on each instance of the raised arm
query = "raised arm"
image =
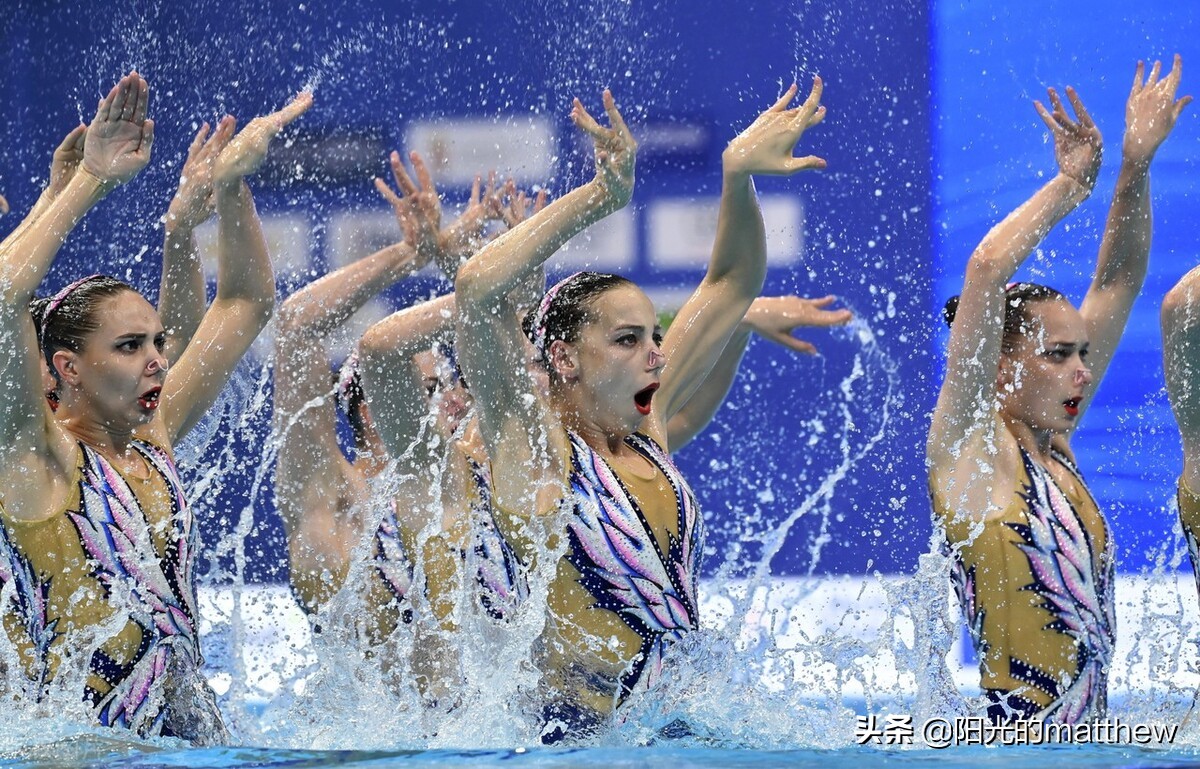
(301, 359)
(771, 317)
(181, 292)
(973, 357)
(1150, 115)
(487, 326)
(392, 382)
(121, 140)
(738, 264)
(245, 281)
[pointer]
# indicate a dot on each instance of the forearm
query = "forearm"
(26, 255)
(181, 293)
(244, 271)
(327, 303)
(502, 264)
(1010, 242)
(740, 249)
(1125, 248)
(702, 406)
(395, 339)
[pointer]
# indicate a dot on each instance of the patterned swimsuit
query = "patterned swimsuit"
(1036, 586)
(119, 558)
(623, 568)
(502, 584)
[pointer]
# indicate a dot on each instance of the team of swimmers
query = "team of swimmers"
(550, 474)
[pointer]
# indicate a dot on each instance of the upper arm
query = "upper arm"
(305, 414)
(964, 403)
(696, 339)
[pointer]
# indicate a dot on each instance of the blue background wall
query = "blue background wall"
(930, 138)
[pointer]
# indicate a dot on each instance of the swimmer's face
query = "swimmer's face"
(117, 376)
(615, 366)
(447, 395)
(1044, 379)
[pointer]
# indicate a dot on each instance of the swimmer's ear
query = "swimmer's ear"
(563, 361)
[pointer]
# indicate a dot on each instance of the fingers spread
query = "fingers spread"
(1046, 117)
(1138, 75)
(403, 181)
(197, 141)
(794, 344)
(1179, 105)
(783, 101)
(582, 118)
(814, 96)
(1080, 111)
(387, 193)
(423, 177)
(1154, 73)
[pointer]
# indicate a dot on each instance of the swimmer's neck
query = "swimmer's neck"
(1035, 442)
(105, 438)
(603, 440)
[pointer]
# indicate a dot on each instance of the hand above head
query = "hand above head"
(776, 317)
(767, 146)
(418, 208)
(457, 240)
(120, 136)
(518, 208)
(66, 159)
(616, 151)
(193, 203)
(245, 152)
(1078, 146)
(1152, 110)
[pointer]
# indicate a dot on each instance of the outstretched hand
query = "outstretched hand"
(616, 150)
(1152, 110)
(3, 206)
(767, 146)
(120, 136)
(418, 208)
(193, 202)
(1078, 146)
(776, 317)
(244, 154)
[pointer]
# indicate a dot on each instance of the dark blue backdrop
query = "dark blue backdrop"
(929, 139)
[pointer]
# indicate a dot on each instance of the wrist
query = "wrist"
(1075, 190)
(93, 183)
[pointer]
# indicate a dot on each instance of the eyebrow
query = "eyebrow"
(637, 327)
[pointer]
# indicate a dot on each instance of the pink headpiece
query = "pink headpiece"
(57, 300)
(539, 318)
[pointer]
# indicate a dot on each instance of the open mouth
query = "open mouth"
(149, 399)
(1071, 405)
(643, 397)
